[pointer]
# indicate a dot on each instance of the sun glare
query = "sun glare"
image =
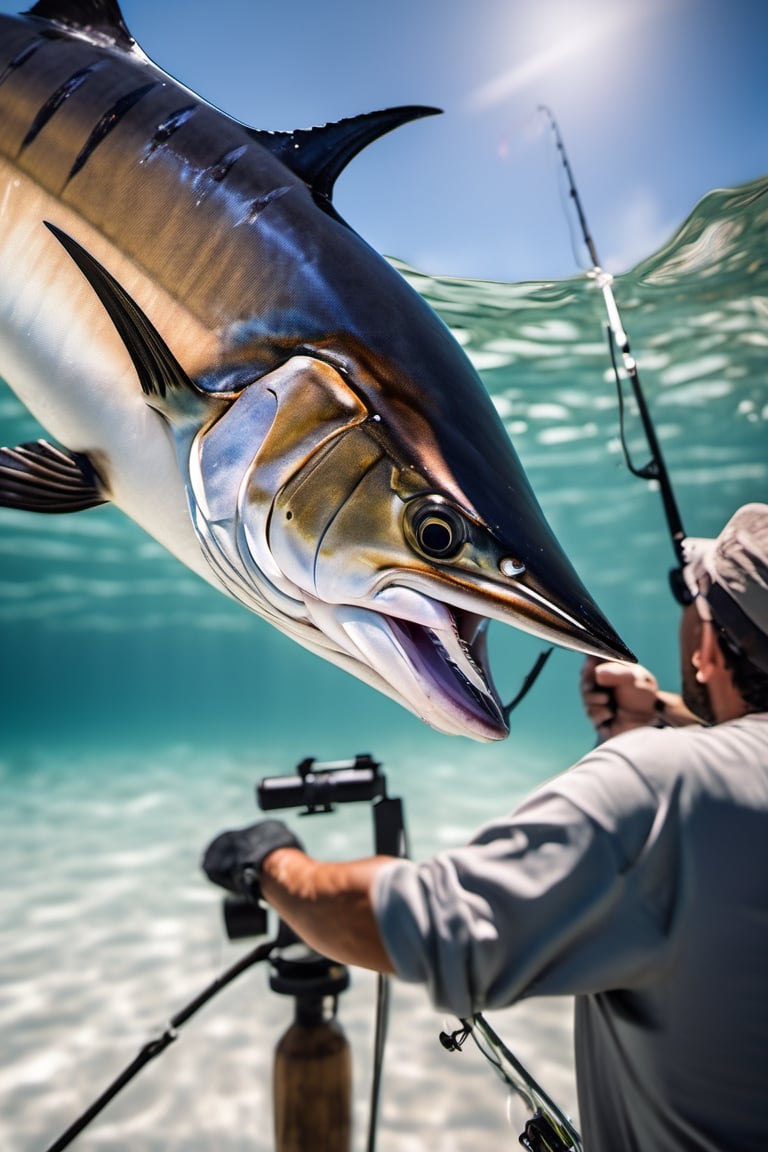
(574, 47)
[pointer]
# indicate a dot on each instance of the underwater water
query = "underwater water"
(138, 707)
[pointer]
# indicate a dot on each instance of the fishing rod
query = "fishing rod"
(656, 468)
(548, 1128)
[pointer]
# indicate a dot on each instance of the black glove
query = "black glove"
(234, 859)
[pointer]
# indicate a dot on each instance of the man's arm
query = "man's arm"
(329, 905)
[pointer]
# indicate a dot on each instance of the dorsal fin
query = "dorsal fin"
(319, 155)
(92, 17)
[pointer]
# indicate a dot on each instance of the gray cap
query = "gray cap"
(728, 578)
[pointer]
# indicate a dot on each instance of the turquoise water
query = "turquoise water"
(138, 706)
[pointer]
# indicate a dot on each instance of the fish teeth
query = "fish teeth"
(476, 687)
(458, 654)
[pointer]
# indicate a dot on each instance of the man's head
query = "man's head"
(725, 631)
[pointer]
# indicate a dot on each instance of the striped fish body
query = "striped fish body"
(220, 355)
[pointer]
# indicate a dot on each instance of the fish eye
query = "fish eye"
(437, 529)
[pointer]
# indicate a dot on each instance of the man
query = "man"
(637, 881)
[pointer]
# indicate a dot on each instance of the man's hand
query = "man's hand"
(619, 697)
(234, 859)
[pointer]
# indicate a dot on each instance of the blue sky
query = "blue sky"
(659, 101)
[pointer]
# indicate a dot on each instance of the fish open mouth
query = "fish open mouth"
(430, 654)
(438, 670)
(457, 668)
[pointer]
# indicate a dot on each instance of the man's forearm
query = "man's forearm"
(328, 905)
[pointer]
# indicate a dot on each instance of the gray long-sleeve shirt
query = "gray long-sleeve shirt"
(637, 881)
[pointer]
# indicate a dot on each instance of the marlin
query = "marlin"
(211, 347)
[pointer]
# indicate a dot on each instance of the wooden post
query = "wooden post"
(312, 1085)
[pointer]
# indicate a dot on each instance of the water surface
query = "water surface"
(138, 706)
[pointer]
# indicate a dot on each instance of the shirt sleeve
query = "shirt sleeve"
(573, 892)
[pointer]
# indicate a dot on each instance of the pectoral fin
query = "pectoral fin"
(41, 477)
(167, 387)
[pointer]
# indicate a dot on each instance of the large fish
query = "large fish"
(218, 353)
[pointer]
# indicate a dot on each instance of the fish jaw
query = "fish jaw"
(425, 634)
(438, 671)
(429, 651)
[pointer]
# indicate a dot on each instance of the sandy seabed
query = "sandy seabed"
(108, 928)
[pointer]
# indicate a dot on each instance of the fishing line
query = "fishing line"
(528, 683)
(647, 472)
(656, 469)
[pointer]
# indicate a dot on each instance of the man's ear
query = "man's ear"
(708, 658)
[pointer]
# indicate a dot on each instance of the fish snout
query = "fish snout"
(408, 586)
(429, 545)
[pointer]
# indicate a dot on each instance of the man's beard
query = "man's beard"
(696, 696)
